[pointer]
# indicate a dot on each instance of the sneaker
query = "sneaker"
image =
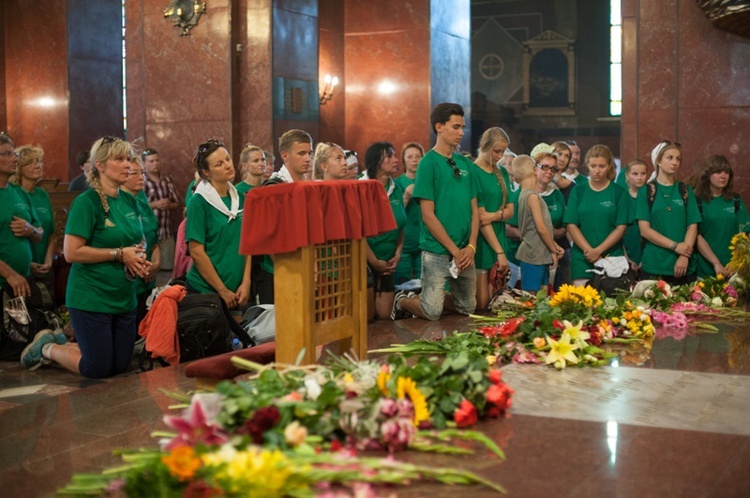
(60, 338)
(31, 357)
(397, 313)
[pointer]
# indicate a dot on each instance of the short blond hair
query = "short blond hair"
(27, 154)
(291, 137)
(522, 167)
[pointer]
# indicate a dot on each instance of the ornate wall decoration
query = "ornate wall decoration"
(184, 14)
(729, 15)
(549, 75)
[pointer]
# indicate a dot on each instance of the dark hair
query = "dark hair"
(442, 113)
(149, 152)
(6, 139)
(82, 157)
(375, 155)
(701, 181)
(204, 150)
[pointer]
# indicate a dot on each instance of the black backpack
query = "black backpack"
(41, 313)
(206, 328)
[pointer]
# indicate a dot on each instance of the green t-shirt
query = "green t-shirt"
(150, 231)
(189, 193)
(221, 240)
(413, 218)
(15, 251)
(670, 217)
(384, 245)
(103, 287)
(622, 179)
(43, 207)
(556, 204)
(720, 222)
(596, 214)
(510, 252)
(490, 197)
(243, 188)
(632, 241)
(452, 197)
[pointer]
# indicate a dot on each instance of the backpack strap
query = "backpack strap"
(683, 188)
(736, 198)
(650, 194)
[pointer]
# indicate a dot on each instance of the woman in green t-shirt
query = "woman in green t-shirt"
(635, 174)
(252, 166)
(723, 214)
(104, 243)
(28, 174)
(329, 162)
(596, 216)
(668, 217)
(410, 265)
(134, 187)
(384, 250)
(214, 226)
(493, 187)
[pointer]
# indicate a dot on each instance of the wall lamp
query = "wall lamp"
(328, 87)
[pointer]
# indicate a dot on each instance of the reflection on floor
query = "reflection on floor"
(670, 421)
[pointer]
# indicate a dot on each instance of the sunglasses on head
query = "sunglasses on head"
(667, 143)
(547, 167)
(148, 152)
(108, 139)
(349, 153)
(452, 163)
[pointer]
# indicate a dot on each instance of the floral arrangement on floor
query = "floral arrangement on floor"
(298, 430)
(579, 326)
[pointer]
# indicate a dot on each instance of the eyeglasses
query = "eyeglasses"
(547, 167)
(452, 163)
(9, 153)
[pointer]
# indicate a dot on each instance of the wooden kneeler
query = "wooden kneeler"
(321, 297)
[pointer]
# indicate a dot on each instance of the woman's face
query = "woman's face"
(135, 178)
(546, 171)
(335, 167)
(598, 168)
(719, 180)
(115, 169)
(563, 158)
(32, 170)
(256, 163)
(636, 177)
(389, 164)
(670, 161)
(412, 155)
(497, 151)
(220, 166)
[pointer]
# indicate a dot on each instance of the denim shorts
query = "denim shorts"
(534, 277)
(435, 274)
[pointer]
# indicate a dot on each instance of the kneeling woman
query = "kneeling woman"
(596, 216)
(214, 225)
(104, 242)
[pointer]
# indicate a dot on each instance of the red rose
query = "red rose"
(264, 419)
(558, 324)
(499, 395)
(466, 414)
(496, 376)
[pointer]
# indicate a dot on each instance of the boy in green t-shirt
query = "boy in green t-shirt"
(446, 192)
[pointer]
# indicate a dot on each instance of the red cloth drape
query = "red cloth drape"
(282, 218)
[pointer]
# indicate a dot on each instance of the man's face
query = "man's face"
(151, 164)
(299, 158)
(8, 159)
(86, 167)
(452, 131)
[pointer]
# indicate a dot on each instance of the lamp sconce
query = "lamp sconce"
(184, 14)
(328, 87)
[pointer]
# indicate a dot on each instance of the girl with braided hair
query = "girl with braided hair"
(105, 244)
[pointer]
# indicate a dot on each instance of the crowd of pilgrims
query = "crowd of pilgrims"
(552, 217)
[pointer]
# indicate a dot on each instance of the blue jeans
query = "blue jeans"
(435, 274)
(106, 341)
(534, 277)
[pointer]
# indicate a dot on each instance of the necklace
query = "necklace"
(668, 198)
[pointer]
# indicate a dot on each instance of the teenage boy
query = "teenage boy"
(296, 148)
(447, 197)
(162, 197)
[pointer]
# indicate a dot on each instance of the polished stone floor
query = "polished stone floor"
(671, 421)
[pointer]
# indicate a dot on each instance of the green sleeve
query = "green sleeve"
(743, 219)
(195, 229)
(623, 211)
(642, 209)
(693, 213)
(571, 214)
(424, 185)
(82, 218)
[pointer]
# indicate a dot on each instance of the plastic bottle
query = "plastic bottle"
(236, 344)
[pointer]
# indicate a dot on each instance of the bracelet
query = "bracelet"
(112, 254)
(502, 215)
(118, 254)
(500, 252)
(673, 246)
(472, 247)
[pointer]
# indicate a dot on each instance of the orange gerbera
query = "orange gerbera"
(182, 462)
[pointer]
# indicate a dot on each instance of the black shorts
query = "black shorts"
(381, 283)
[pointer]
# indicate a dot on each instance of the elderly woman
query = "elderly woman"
(134, 187)
(493, 188)
(410, 264)
(723, 214)
(252, 166)
(668, 217)
(329, 162)
(28, 174)
(104, 243)
(214, 225)
(596, 215)
(384, 250)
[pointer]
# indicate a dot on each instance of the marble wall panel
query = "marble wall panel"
(387, 87)
(453, 17)
(657, 66)
(306, 7)
(94, 74)
(331, 61)
(653, 127)
(135, 80)
(251, 110)
(3, 100)
(36, 79)
(295, 44)
(367, 17)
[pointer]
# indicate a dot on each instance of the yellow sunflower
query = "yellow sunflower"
(406, 387)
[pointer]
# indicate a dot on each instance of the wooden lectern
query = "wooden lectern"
(316, 233)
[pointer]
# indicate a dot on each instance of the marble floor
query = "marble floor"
(672, 421)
